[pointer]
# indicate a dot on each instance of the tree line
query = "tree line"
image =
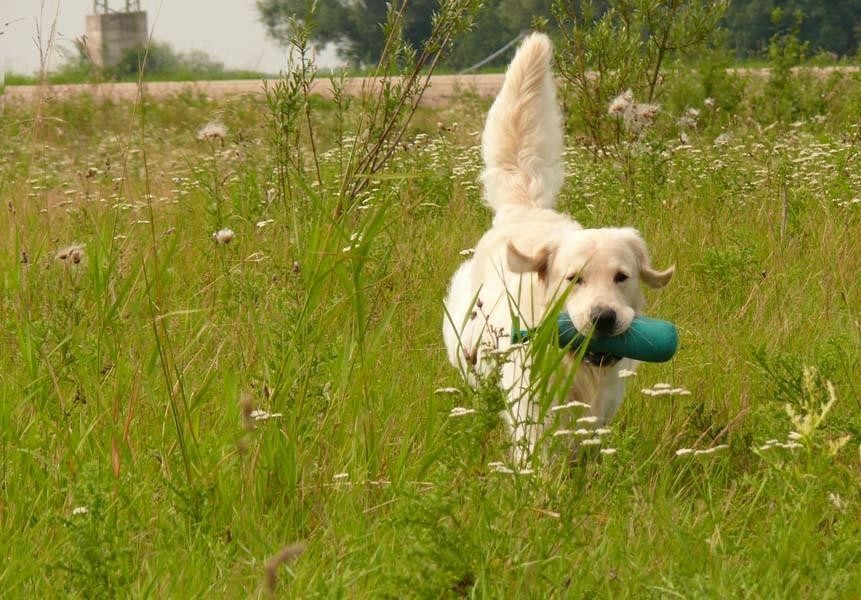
(832, 26)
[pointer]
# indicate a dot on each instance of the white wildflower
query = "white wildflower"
(608, 451)
(589, 420)
(460, 411)
(262, 415)
(264, 223)
(603, 431)
(447, 390)
(340, 476)
(625, 374)
(709, 102)
(467, 252)
(223, 236)
(572, 404)
(80, 510)
(711, 450)
(591, 442)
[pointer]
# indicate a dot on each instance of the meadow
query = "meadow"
(219, 378)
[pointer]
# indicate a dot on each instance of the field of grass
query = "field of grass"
(181, 417)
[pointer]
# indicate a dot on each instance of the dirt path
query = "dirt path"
(442, 88)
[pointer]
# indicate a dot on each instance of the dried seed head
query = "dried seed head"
(285, 555)
(223, 236)
(212, 131)
(246, 405)
(71, 254)
(621, 103)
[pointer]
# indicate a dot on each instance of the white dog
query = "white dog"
(533, 256)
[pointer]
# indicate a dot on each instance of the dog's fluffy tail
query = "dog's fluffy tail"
(522, 140)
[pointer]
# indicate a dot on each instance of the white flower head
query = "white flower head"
(80, 510)
(572, 404)
(447, 390)
(460, 411)
(625, 374)
(262, 415)
(711, 450)
(498, 467)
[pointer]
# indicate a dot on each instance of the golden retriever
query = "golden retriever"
(533, 256)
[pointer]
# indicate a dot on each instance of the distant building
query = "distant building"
(111, 33)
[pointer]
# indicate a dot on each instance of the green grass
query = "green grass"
(127, 380)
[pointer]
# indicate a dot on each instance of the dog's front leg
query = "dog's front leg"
(523, 412)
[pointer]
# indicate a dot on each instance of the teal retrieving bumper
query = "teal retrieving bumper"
(648, 340)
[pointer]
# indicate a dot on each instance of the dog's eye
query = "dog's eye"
(575, 278)
(620, 277)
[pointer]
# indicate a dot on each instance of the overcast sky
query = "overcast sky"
(228, 30)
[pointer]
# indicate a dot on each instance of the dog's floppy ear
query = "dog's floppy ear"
(650, 276)
(538, 263)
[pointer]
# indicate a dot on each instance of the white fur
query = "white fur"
(524, 262)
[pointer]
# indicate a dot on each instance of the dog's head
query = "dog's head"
(599, 271)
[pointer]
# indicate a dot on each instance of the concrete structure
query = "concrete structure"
(111, 33)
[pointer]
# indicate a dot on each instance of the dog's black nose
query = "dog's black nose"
(604, 319)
